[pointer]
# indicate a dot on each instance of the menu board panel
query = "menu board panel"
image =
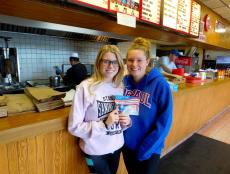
(195, 18)
(130, 7)
(151, 11)
(170, 13)
(96, 3)
(183, 15)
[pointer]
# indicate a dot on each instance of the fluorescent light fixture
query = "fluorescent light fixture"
(220, 30)
(219, 27)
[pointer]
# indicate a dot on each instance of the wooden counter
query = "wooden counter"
(39, 142)
(194, 106)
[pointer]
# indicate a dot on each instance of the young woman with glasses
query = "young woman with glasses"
(93, 117)
(144, 141)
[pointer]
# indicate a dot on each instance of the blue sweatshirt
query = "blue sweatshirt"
(150, 128)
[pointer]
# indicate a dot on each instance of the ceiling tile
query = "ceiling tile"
(226, 2)
(213, 3)
(222, 10)
(226, 14)
(227, 17)
(204, 1)
(219, 7)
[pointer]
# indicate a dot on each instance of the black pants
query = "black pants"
(103, 164)
(134, 166)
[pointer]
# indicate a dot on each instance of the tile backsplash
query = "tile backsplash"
(38, 54)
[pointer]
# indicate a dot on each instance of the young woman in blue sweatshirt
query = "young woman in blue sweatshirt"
(144, 140)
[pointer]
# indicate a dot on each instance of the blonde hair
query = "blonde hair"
(142, 44)
(97, 77)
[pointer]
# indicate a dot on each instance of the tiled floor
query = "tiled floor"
(218, 128)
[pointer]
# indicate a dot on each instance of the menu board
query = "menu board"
(195, 18)
(130, 7)
(96, 3)
(170, 13)
(183, 15)
(151, 11)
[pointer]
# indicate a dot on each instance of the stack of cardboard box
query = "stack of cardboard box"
(45, 98)
(3, 106)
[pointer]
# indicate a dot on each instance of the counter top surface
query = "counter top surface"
(195, 86)
(22, 125)
(29, 118)
(19, 120)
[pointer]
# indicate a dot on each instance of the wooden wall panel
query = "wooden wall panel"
(40, 154)
(23, 157)
(3, 159)
(53, 153)
(49, 152)
(122, 168)
(32, 155)
(12, 154)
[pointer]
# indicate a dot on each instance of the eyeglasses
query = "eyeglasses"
(109, 62)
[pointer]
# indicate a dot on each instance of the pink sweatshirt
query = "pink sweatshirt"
(86, 115)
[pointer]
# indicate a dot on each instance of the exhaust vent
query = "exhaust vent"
(57, 33)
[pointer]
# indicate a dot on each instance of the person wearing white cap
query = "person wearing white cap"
(76, 74)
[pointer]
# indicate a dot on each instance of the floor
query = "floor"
(219, 128)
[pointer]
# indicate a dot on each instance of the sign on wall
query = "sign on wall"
(150, 11)
(183, 15)
(170, 13)
(195, 18)
(96, 3)
(180, 15)
(130, 7)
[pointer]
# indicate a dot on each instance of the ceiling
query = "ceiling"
(221, 7)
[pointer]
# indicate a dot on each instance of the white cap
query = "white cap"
(75, 55)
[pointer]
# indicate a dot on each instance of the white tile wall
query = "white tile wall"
(38, 54)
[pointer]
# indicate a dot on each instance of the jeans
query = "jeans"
(134, 166)
(103, 164)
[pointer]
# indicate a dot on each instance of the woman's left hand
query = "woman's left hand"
(124, 119)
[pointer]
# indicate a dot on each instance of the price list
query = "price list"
(195, 18)
(97, 3)
(183, 15)
(170, 13)
(130, 7)
(151, 11)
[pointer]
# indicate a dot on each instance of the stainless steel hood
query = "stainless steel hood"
(15, 24)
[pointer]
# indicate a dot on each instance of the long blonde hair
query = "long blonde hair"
(97, 77)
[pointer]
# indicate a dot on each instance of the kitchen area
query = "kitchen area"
(37, 36)
(37, 55)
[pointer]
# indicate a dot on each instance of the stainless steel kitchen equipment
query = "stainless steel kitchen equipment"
(9, 67)
(55, 81)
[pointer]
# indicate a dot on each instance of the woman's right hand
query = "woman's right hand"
(113, 117)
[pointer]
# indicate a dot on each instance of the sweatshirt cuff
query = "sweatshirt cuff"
(128, 126)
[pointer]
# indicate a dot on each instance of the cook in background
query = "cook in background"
(74, 75)
(167, 63)
(144, 140)
(93, 117)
